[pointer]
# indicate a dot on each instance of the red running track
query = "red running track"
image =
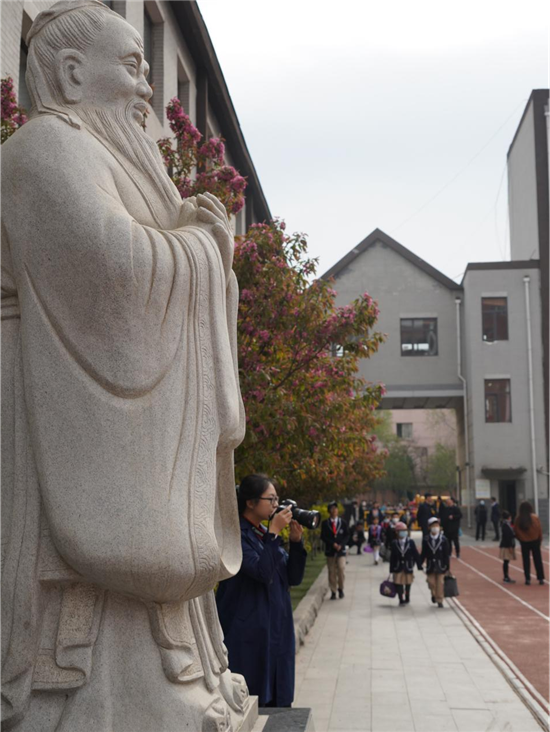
(515, 616)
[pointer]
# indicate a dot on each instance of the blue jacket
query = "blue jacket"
(256, 615)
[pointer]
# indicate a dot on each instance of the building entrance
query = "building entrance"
(508, 496)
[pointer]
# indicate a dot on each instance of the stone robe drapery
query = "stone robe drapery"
(121, 405)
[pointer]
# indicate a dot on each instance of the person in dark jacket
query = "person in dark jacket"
(254, 606)
(403, 558)
(357, 536)
(507, 546)
(528, 530)
(495, 518)
(375, 538)
(334, 534)
(436, 553)
(451, 515)
(480, 513)
(390, 533)
(375, 512)
(426, 511)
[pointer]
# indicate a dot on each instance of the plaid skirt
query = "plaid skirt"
(507, 553)
(403, 578)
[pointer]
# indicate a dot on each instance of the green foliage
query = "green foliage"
(442, 467)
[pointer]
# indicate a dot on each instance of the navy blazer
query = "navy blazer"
(404, 561)
(329, 539)
(436, 554)
(256, 615)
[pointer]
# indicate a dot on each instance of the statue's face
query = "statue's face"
(114, 71)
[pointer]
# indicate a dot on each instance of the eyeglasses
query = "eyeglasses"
(272, 499)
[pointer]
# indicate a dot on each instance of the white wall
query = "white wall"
(522, 191)
(402, 290)
(507, 444)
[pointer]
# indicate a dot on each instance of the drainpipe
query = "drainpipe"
(526, 281)
(466, 418)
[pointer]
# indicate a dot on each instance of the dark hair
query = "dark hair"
(251, 489)
(506, 514)
(493, 499)
(524, 520)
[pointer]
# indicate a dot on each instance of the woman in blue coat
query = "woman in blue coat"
(254, 606)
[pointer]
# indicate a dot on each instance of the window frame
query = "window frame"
(494, 315)
(493, 397)
(415, 352)
(401, 425)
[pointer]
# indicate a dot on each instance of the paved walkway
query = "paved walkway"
(370, 665)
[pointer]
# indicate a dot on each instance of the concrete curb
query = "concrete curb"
(308, 608)
(534, 701)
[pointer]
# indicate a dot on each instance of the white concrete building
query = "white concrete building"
(478, 347)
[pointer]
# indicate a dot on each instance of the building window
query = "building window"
(153, 50)
(494, 316)
(419, 336)
(498, 406)
(404, 430)
(336, 350)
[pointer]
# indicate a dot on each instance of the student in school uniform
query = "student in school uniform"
(507, 546)
(403, 558)
(437, 555)
(334, 534)
(375, 538)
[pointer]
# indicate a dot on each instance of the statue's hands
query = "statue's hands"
(188, 213)
(212, 212)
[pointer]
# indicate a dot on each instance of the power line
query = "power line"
(452, 180)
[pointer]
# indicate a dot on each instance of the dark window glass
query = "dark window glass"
(419, 336)
(498, 406)
(405, 430)
(148, 40)
(494, 316)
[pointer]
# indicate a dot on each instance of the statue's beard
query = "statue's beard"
(118, 128)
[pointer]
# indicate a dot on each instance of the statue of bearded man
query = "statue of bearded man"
(121, 406)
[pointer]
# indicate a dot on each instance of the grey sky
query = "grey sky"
(357, 113)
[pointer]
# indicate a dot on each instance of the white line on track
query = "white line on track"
(534, 609)
(518, 569)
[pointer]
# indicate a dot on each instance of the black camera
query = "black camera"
(309, 519)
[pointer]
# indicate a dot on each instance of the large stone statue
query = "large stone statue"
(121, 406)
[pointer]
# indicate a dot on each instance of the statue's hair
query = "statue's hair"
(75, 28)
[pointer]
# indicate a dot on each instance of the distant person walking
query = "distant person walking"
(403, 558)
(481, 520)
(375, 512)
(426, 511)
(375, 539)
(529, 532)
(334, 534)
(357, 536)
(436, 554)
(495, 517)
(451, 516)
(507, 546)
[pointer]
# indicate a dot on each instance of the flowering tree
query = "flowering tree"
(198, 167)
(12, 115)
(310, 418)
